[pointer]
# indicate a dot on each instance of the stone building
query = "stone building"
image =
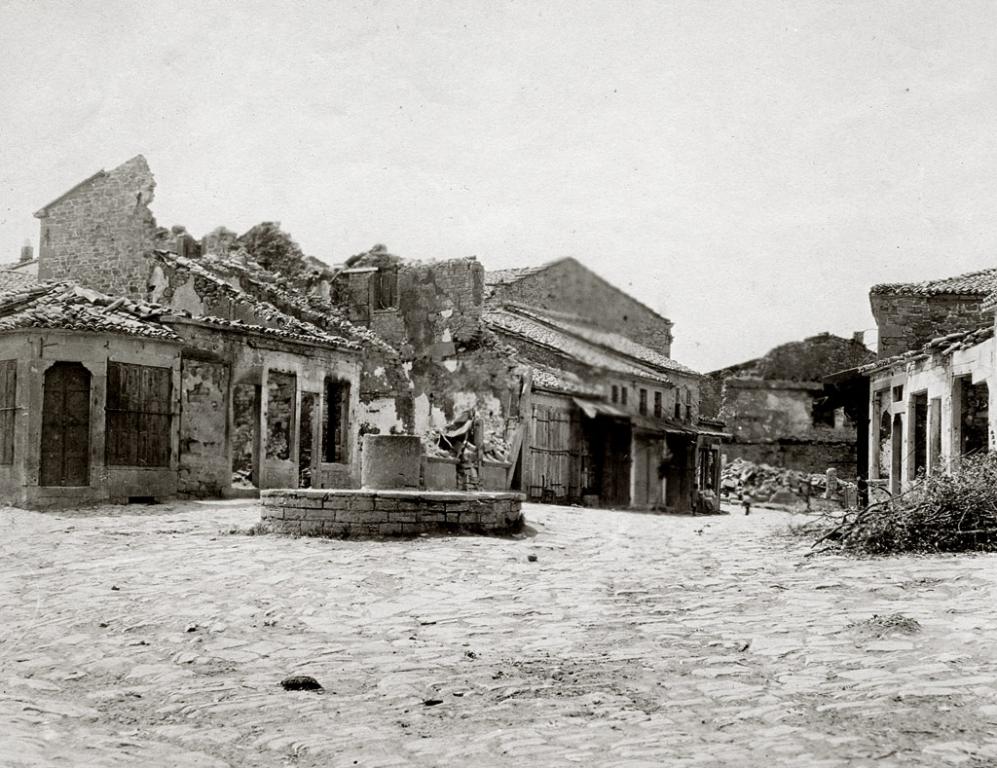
(108, 399)
(421, 356)
(565, 285)
(778, 411)
(909, 315)
(95, 232)
(930, 393)
(258, 396)
(607, 421)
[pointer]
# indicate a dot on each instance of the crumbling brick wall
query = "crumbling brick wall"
(97, 233)
(908, 322)
(567, 286)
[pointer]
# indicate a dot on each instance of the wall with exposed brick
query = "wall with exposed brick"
(96, 234)
(908, 322)
(453, 363)
(568, 286)
(345, 513)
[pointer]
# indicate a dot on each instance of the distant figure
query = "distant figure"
(832, 484)
(746, 503)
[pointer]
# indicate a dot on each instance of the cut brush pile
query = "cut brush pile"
(950, 512)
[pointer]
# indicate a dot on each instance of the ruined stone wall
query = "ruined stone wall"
(98, 233)
(811, 359)
(452, 363)
(908, 322)
(567, 286)
(758, 410)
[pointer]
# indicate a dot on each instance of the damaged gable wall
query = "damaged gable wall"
(434, 321)
(568, 286)
(96, 234)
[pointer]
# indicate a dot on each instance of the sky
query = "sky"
(748, 169)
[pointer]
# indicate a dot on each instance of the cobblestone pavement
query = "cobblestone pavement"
(153, 637)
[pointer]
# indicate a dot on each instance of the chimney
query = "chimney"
(27, 252)
(859, 336)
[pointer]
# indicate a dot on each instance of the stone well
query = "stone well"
(366, 513)
(390, 503)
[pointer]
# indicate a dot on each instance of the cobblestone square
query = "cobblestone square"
(156, 636)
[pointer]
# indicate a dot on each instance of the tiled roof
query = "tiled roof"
(942, 345)
(499, 277)
(981, 283)
(509, 321)
(557, 380)
(69, 307)
(10, 280)
(279, 306)
(613, 341)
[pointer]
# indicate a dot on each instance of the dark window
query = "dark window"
(688, 413)
(386, 289)
(616, 394)
(657, 405)
(822, 414)
(8, 409)
(336, 427)
(898, 393)
(623, 395)
(281, 394)
(678, 410)
(642, 405)
(138, 415)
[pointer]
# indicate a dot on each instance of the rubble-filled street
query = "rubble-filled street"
(157, 636)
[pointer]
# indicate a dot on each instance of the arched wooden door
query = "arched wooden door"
(66, 426)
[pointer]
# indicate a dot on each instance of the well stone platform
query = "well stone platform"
(371, 513)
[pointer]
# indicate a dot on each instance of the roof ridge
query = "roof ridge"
(537, 315)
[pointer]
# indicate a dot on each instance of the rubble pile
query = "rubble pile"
(457, 438)
(763, 483)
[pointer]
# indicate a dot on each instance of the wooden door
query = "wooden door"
(66, 426)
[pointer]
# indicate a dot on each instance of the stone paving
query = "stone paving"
(152, 636)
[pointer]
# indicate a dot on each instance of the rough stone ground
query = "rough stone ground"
(151, 636)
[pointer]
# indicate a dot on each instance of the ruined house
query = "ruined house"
(105, 399)
(256, 396)
(778, 412)
(929, 395)
(394, 346)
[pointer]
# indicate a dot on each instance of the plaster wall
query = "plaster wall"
(250, 359)
(936, 378)
(35, 353)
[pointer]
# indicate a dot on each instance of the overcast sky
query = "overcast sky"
(748, 169)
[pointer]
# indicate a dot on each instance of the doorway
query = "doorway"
(306, 438)
(65, 454)
(246, 435)
(898, 454)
